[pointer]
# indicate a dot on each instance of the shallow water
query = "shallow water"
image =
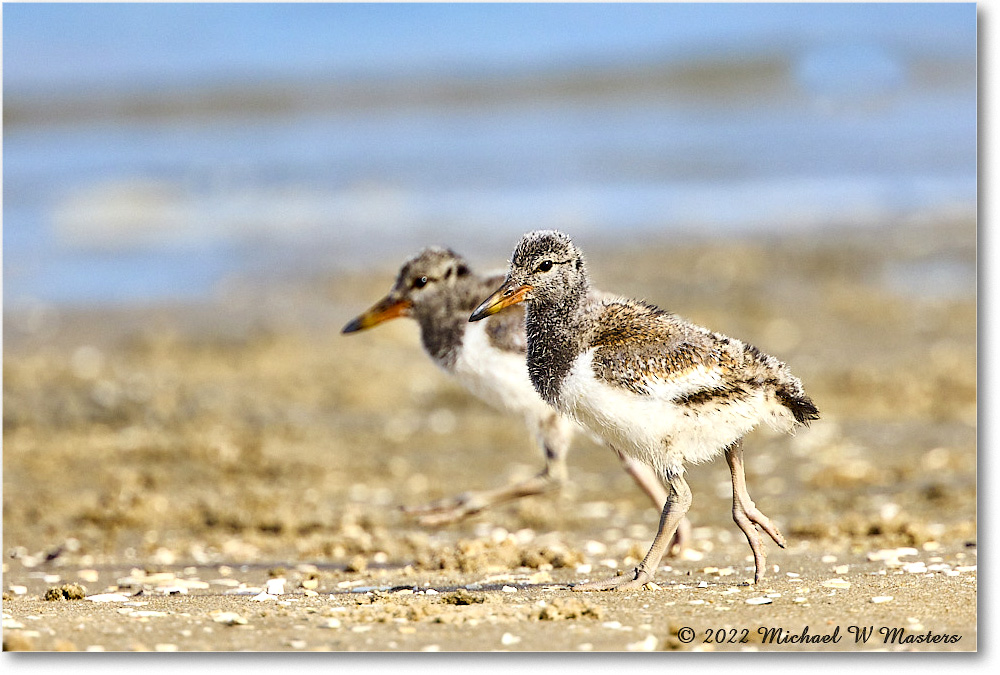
(734, 122)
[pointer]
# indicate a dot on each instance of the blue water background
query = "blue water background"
(863, 116)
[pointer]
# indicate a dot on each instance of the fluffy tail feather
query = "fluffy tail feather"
(800, 405)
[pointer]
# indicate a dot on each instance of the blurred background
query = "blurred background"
(153, 152)
(198, 197)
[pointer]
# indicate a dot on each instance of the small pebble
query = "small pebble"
(881, 598)
(509, 589)
(330, 623)
(836, 583)
(828, 559)
(759, 601)
(509, 639)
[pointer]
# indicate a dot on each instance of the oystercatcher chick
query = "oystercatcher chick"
(438, 289)
(655, 387)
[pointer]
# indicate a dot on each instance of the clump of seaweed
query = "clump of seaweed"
(66, 592)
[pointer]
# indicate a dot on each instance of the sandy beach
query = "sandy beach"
(228, 474)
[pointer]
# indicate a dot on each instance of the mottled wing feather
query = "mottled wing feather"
(638, 346)
(648, 351)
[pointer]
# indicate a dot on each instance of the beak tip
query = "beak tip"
(352, 327)
(484, 310)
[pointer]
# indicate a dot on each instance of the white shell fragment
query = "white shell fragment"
(88, 575)
(108, 597)
(891, 553)
(228, 618)
(759, 601)
(647, 645)
(836, 583)
(509, 639)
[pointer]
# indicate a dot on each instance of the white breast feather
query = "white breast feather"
(652, 428)
(498, 377)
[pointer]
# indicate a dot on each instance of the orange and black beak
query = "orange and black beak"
(509, 294)
(383, 310)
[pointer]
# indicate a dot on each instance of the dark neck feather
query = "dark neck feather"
(441, 334)
(445, 317)
(554, 341)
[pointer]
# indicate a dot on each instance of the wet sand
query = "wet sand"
(182, 456)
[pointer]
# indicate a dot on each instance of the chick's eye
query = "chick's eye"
(545, 266)
(420, 283)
